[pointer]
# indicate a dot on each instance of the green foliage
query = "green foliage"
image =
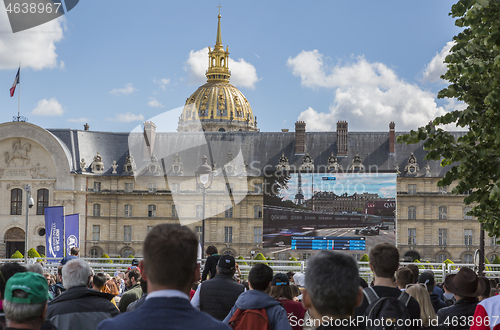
(242, 263)
(260, 256)
(430, 266)
(131, 256)
(118, 261)
(270, 264)
(17, 255)
(486, 262)
(496, 260)
(295, 263)
(32, 253)
(416, 261)
(106, 261)
(448, 261)
(364, 258)
(474, 78)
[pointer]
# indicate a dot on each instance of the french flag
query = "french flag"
(16, 81)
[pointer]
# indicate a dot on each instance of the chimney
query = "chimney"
(341, 138)
(300, 137)
(284, 130)
(149, 138)
(86, 127)
(392, 137)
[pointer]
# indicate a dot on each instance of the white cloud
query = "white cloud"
(164, 82)
(243, 74)
(367, 95)
(34, 47)
(127, 117)
(48, 108)
(153, 102)
(436, 66)
(79, 120)
(128, 89)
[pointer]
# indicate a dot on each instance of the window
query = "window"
(16, 201)
(199, 232)
(127, 252)
(40, 249)
(257, 211)
(199, 211)
(42, 201)
(412, 212)
(493, 241)
(128, 210)
(96, 232)
(228, 234)
(468, 259)
(95, 253)
(175, 187)
(257, 188)
(129, 187)
(152, 187)
(443, 190)
(229, 212)
(412, 236)
(229, 188)
(257, 234)
(151, 211)
(97, 186)
(467, 236)
(443, 233)
(175, 214)
(127, 234)
(466, 210)
(96, 211)
(443, 211)
(412, 189)
(442, 257)
(306, 256)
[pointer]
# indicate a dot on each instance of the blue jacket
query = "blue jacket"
(163, 313)
(67, 258)
(254, 299)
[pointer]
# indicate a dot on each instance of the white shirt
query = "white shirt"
(195, 301)
(167, 294)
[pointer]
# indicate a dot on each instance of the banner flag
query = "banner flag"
(71, 231)
(16, 81)
(54, 229)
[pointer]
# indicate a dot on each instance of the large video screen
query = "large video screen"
(351, 212)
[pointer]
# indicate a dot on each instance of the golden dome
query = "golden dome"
(217, 105)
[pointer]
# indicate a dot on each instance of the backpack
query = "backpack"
(387, 313)
(250, 319)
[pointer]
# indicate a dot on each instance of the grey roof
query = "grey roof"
(260, 150)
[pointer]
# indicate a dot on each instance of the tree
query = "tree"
(32, 253)
(242, 263)
(295, 263)
(416, 261)
(496, 261)
(364, 258)
(131, 256)
(17, 255)
(104, 255)
(260, 256)
(474, 77)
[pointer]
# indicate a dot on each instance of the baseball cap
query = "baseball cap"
(280, 279)
(34, 285)
(226, 262)
(135, 262)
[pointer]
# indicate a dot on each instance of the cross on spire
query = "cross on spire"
(219, 6)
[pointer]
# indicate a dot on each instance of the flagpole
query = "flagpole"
(19, 95)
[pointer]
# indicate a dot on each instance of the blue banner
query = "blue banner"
(54, 229)
(72, 231)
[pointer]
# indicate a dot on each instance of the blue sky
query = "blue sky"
(115, 64)
(383, 184)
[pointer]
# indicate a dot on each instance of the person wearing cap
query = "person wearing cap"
(280, 290)
(466, 286)
(427, 278)
(217, 296)
(25, 301)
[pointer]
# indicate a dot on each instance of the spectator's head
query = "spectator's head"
(25, 302)
(110, 287)
(332, 285)
(135, 262)
(290, 276)
(420, 293)
(76, 272)
(260, 277)
(35, 268)
(133, 277)
(487, 289)
(211, 250)
(465, 283)
(226, 265)
(59, 274)
(415, 271)
(7, 270)
(404, 276)
(427, 279)
(280, 287)
(384, 260)
(75, 251)
(98, 281)
(170, 253)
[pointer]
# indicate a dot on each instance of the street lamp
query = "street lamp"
(204, 177)
(29, 204)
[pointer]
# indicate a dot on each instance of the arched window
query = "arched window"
(468, 259)
(442, 257)
(42, 201)
(96, 210)
(16, 201)
(95, 252)
(127, 252)
(221, 130)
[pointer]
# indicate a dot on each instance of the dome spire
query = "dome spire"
(218, 59)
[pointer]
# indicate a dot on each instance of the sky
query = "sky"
(114, 64)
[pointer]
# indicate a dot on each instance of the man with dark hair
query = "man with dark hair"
(134, 292)
(259, 280)
(427, 278)
(211, 263)
(98, 281)
(167, 303)
(414, 269)
(384, 261)
(75, 251)
(57, 288)
(332, 290)
(217, 296)
(404, 276)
